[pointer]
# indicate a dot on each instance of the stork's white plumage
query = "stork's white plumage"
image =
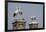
(18, 11)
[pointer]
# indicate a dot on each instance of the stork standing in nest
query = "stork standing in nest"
(18, 11)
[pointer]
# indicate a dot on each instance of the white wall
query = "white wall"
(2, 16)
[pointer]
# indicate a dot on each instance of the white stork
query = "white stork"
(18, 11)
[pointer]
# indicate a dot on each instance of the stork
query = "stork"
(18, 11)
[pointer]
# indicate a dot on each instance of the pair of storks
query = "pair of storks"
(18, 11)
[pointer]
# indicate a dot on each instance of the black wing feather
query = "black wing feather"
(14, 14)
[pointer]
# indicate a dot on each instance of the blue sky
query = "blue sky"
(28, 11)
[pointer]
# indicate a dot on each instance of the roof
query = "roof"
(19, 21)
(34, 23)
